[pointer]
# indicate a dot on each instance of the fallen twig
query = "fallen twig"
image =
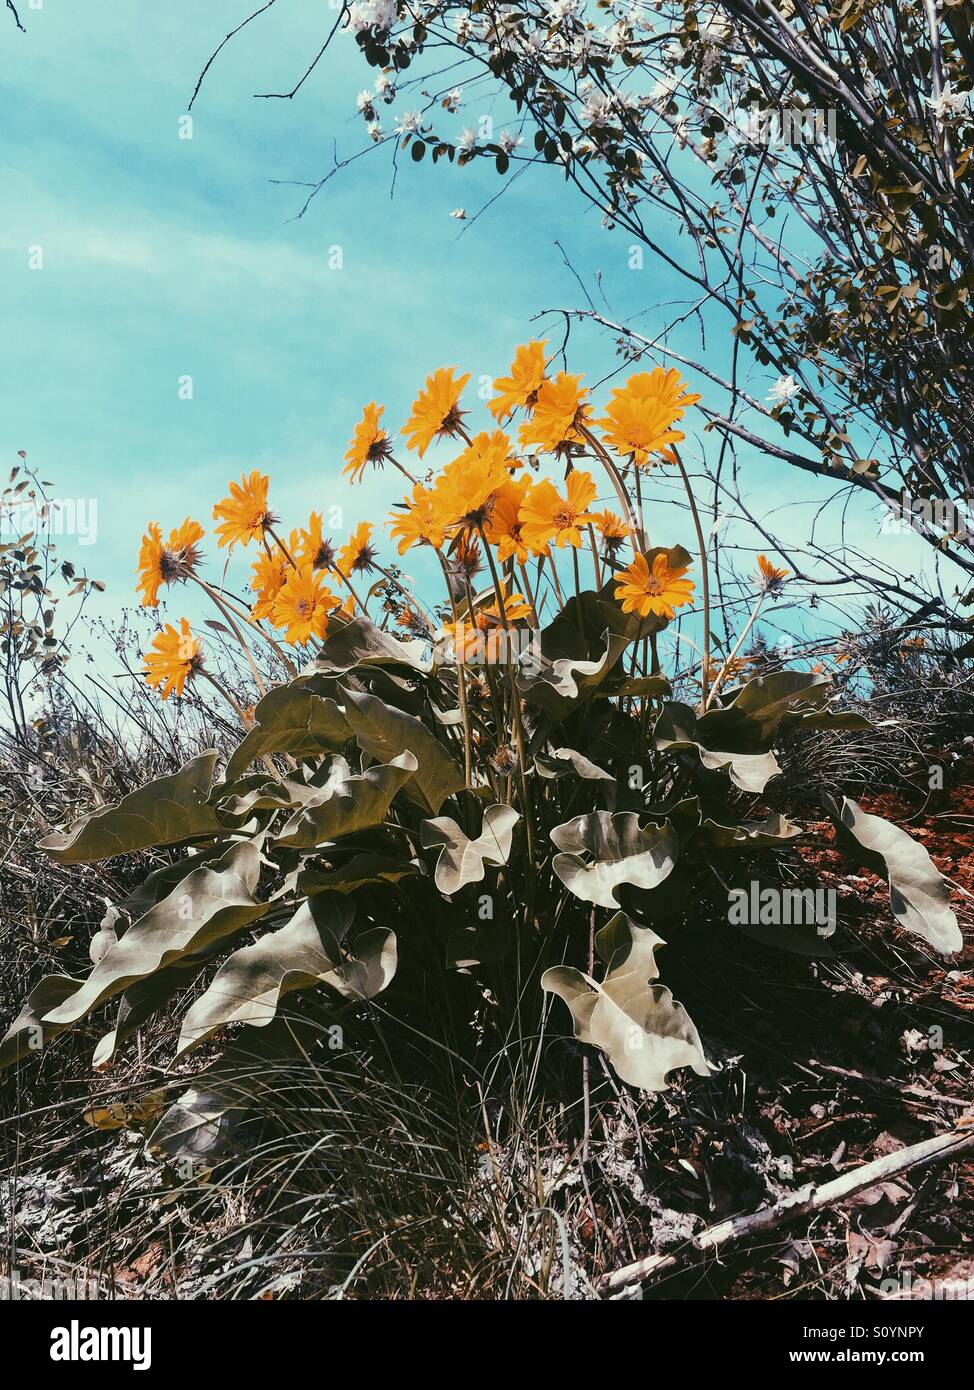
(906, 1092)
(804, 1202)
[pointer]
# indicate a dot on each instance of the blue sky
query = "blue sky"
(165, 258)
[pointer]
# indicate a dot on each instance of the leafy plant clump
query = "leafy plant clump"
(467, 807)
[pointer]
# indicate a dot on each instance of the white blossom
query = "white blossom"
(618, 37)
(597, 109)
(625, 102)
(715, 30)
(509, 142)
(664, 89)
(467, 140)
(372, 14)
(949, 103)
(409, 123)
(784, 390)
(460, 214)
(453, 99)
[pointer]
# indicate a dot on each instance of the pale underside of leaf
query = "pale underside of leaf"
(249, 986)
(677, 732)
(163, 812)
(601, 851)
(918, 892)
(353, 873)
(639, 1026)
(461, 860)
(774, 830)
(209, 905)
(558, 683)
(347, 803)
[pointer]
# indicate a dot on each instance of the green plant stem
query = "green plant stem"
(461, 682)
(235, 630)
(705, 577)
(722, 673)
(515, 708)
(616, 479)
(597, 568)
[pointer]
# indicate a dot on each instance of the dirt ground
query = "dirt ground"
(828, 1064)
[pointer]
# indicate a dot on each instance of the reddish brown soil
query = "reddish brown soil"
(827, 1065)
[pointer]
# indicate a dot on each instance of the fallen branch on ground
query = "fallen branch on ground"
(804, 1202)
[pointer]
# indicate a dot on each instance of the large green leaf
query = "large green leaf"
(200, 1124)
(160, 882)
(359, 643)
(637, 1024)
(774, 830)
(249, 986)
(738, 737)
(555, 677)
(354, 873)
(563, 762)
(833, 720)
(346, 803)
(29, 1032)
(646, 687)
(750, 721)
(209, 905)
(163, 812)
(140, 1001)
(384, 732)
(918, 893)
(601, 851)
(679, 730)
(291, 719)
(461, 860)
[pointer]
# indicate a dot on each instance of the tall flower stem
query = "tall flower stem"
(616, 480)
(578, 591)
(225, 603)
(403, 470)
(515, 705)
(705, 576)
(522, 569)
(554, 576)
(235, 630)
(639, 504)
(284, 550)
(721, 675)
(461, 680)
(349, 586)
(595, 557)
